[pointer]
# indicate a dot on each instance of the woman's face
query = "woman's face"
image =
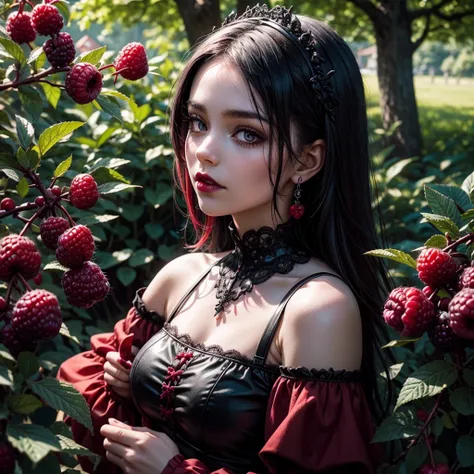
(227, 142)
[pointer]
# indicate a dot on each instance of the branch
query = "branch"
(419, 12)
(370, 8)
(35, 78)
(424, 34)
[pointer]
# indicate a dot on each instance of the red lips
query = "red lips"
(205, 178)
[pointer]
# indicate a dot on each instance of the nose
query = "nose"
(207, 151)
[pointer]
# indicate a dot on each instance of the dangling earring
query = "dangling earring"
(297, 209)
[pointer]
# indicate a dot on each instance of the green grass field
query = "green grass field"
(446, 112)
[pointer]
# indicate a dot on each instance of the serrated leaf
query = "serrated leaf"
(437, 241)
(141, 257)
(13, 50)
(106, 175)
(401, 342)
(109, 106)
(443, 224)
(397, 426)
(462, 400)
(69, 446)
(465, 451)
(427, 381)
(52, 93)
(55, 265)
(55, 133)
(109, 163)
(91, 57)
(12, 174)
(25, 131)
(64, 331)
(28, 364)
(22, 187)
(394, 254)
(110, 188)
(97, 219)
(393, 371)
(63, 167)
(6, 376)
(23, 158)
(468, 185)
(5, 353)
(24, 404)
(126, 275)
(458, 195)
(63, 396)
(31, 101)
(442, 205)
(118, 95)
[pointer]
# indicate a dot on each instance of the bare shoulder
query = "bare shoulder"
(322, 327)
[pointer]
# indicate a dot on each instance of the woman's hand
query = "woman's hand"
(137, 450)
(117, 372)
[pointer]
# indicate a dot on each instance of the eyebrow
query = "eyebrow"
(230, 113)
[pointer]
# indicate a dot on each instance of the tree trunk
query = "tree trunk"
(199, 17)
(395, 73)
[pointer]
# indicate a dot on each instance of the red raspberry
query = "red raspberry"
(39, 201)
(46, 20)
(85, 286)
(409, 311)
(56, 190)
(83, 192)
(441, 334)
(438, 469)
(461, 313)
(83, 83)
(75, 246)
(15, 345)
(7, 458)
(50, 230)
(36, 316)
(38, 279)
(131, 62)
(62, 53)
(422, 415)
(18, 255)
(3, 304)
(467, 278)
(435, 267)
(7, 204)
(19, 28)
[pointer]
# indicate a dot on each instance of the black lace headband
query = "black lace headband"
(283, 20)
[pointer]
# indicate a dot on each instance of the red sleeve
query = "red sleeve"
(86, 372)
(312, 426)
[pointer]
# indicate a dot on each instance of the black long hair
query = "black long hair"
(338, 225)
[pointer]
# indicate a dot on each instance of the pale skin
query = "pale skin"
(321, 327)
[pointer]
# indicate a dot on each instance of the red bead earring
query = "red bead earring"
(297, 209)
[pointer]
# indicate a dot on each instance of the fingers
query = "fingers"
(114, 359)
(115, 459)
(114, 382)
(123, 436)
(116, 372)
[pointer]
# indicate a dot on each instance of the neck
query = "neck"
(256, 218)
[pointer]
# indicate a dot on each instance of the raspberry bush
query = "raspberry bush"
(432, 426)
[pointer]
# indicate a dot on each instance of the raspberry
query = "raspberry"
(435, 267)
(36, 316)
(19, 27)
(7, 458)
(441, 334)
(3, 304)
(83, 83)
(39, 201)
(467, 278)
(38, 279)
(438, 469)
(18, 255)
(62, 53)
(50, 230)
(83, 192)
(7, 204)
(15, 345)
(86, 285)
(443, 304)
(46, 20)
(131, 62)
(409, 311)
(75, 246)
(56, 190)
(461, 314)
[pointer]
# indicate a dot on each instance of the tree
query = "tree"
(464, 65)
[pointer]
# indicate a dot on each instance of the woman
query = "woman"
(269, 128)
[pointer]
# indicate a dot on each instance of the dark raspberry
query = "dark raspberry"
(36, 316)
(83, 192)
(443, 304)
(19, 28)
(46, 20)
(15, 345)
(7, 458)
(7, 204)
(85, 286)
(422, 415)
(441, 334)
(461, 314)
(38, 279)
(18, 254)
(39, 201)
(83, 83)
(131, 62)
(75, 246)
(62, 53)
(409, 311)
(438, 469)
(50, 230)
(56, 190)
(467, 278)
(435, 267)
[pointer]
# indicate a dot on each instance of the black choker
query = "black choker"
(257, 256)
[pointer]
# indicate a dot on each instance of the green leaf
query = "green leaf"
(13, 50)
(465, 451)
(442, 205)
(427, 381)
(437, 426)
(141, 257)
(63, 167)
(468, 185)
(443, 224)
(110, 188)
(109, 162)
(400, 425)
(394, 254)
(24, 404)
(97, 219)
(393, 371)
(468, 376)
(401, 342)
(34, 158)
(109, 106)
(31, 101)
(395, 169)
(12, 174)
(22, 187)
(91, 57)
(462, 400)
(119, 95)
(65, 332)
(141, 113)
(458, 195)
(5, 353)
(63, 8)
(35, 54)
(106, 175)
(55, 133)
(468, 215)
(55, 265)
(8, 160)
(69, 446)
(155, 231)
(33, 440)
(23, 158)
(63, 396)
(416, 457)
(6, 376)
(437, 241)
(25, 131)
(126, 275)
(28, 364)
(53, 94)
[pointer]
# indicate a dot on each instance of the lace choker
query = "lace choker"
(258, 255)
